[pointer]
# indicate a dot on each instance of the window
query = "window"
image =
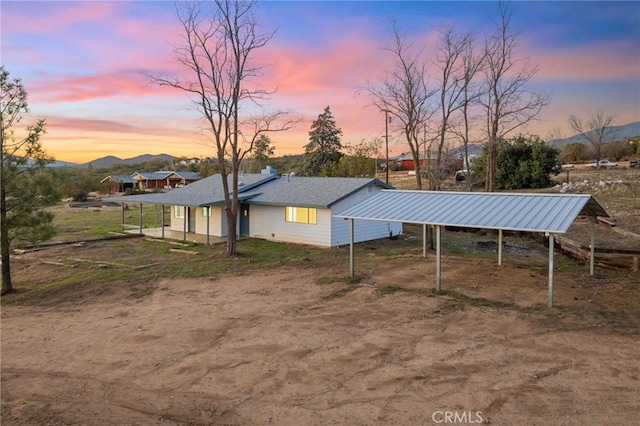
(206, 212)
(300, 215)
(179, 212)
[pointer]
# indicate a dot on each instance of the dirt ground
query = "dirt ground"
(280, 348)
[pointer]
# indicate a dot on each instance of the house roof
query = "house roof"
(519, 212)
(187, 175)
(265, 189)
(204, 192)
(319, 192)
(119, 179)
(160, 175)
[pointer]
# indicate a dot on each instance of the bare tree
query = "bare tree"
(453, 85)
(596, 130)
(220, 40)
(405, 95)
(471, 93)
(509, 102)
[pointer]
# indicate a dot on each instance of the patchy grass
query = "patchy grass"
(136, 263)
(92, 222)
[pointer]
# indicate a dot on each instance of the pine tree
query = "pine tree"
(25, 185)
(323, 150)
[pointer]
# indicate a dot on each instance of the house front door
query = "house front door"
(244, 219)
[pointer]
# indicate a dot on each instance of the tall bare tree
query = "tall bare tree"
(595, 130)
(220, 42)
(453, 84)
(509, 102)
(404, 93)
(473, 64)
(25, 187)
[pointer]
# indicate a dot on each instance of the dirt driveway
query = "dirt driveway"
(281, 349)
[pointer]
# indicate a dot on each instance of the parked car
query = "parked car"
(603, 163)
(634, 163)
(460, 175)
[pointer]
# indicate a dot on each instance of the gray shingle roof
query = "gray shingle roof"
(519, 212)
(319, 192)
(204, 192)
(261, 189)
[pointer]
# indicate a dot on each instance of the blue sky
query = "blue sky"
(83, 65)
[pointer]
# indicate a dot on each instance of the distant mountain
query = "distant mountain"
(615, 133)
(110, 160)
(62, 164)
(102, 162)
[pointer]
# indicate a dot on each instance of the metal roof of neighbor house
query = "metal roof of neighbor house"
(204, 192)
(519, 212)
(319, 192)
(153, 175)
(188, 175)
(120, 179)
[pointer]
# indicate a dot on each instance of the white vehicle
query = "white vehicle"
(603, 163)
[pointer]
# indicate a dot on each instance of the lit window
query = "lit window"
(300, 215)
(206, 212)
(179, 212)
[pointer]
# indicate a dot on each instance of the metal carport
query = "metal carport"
(547, 213)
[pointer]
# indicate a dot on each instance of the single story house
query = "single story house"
(406, 160)
(164, 179)
(278, 208)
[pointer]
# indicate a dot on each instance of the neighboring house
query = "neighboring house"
(406, 160)
(118, 183)
(164, 179)
(286, 209)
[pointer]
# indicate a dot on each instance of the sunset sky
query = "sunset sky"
(84, 63)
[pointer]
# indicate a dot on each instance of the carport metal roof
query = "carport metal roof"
(517, 212)
(548, 213)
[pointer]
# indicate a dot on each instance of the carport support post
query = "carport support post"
(140, 220)
(592, 251)
(499, 247)
(351, 250)
(424, 240)
(208, 220)
(162, 224)
(551, 240)
(122, 218)
(184, 223)
(438, 261)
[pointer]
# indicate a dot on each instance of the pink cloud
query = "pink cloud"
(59, 16)
(606, 60)
(53, 88)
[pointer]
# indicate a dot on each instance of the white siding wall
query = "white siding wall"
(177, 224)
(364, 230)
(268, 222)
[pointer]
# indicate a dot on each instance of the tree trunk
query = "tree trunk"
(429, 239)
(231, 237)
(7, 286)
